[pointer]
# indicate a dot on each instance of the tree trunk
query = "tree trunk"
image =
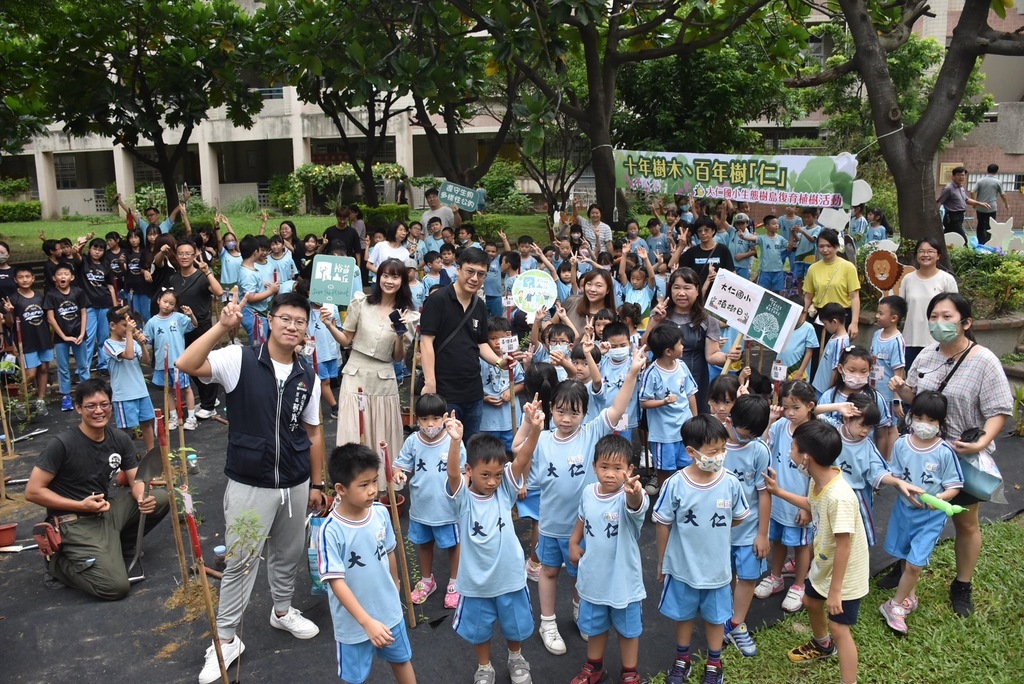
(369, 183)
(170, 186)
(915, 194)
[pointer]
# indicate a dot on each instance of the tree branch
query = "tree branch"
(992, 42)
(822, 77)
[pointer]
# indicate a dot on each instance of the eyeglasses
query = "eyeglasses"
(288, 320)
(472, 273)
(97, 407)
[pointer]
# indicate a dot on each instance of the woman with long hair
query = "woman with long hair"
(684, 307)
(596, 291)
(918, 289)
(375, 346)
(138, 281)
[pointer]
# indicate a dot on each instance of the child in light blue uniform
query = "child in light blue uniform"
(798, 352)
(356, 557)
(424, 457)
(166, 331)
(563, 465)
(739, 246)
(669, 394)
(605, 546)
(615, 369)
(326, 350)
(695, 514)
(125, 350)
(923, 460)
(887, 345)
(748, 458)
(789, 527)
(540, 382)
(555, 338)
(834, 319)
(852, 374)
(586, 358)
(496, 414)
(492, 581)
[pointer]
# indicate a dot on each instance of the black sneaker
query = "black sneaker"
(680, 672)
(960, 598)
(891, 579)
(810, 652)
(334, 412)
(714, 674)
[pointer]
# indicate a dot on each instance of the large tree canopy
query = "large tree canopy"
(22, 111)
(134, 70)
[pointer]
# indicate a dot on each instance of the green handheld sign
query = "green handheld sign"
(334, 280)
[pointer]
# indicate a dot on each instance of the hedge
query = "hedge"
(384, 215)
(20, 211)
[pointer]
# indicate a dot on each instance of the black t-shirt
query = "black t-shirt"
(94, 278)
(700, 260)
(49, 268)
(348, 237)
(67, 309)
(193, 291)
(115, 265)
(134, 265)
(7, 285)
(457, 366)
(35, 331)
(82, 467)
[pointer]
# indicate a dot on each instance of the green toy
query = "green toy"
(938, 504)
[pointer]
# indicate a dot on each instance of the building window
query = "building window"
(99, 201)
(271, 93)
(65, 169)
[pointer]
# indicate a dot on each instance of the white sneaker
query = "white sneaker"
(551, 638)
(191, 423)
(794, 601)
(293, 622)
(769, 586)
(204, 414)
(172, 422)
(211, 668)
(39, 407)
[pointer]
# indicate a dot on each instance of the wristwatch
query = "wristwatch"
(317, 486)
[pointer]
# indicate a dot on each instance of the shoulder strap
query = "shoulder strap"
(949, 375)
(455, 331)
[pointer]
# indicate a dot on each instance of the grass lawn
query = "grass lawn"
(940, 647)
(25, 245)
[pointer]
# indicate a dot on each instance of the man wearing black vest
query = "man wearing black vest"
(274, 461)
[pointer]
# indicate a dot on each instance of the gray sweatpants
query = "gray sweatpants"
(279, 517)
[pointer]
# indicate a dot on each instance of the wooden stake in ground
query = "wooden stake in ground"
(9, 436)
(182, 454)
(165, 451)
(24, 373)
(190, 518)
(361, 404)
(403, 566)
(512, 395)
(412, 381)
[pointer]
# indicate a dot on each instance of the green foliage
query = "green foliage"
(110, 195)
(794, 143)
(515, 203)
(388, 171)
(384, 215)
(1018, 400)
(12, 187)
(244, 205)
(425, 181)
(488, 227)
(323, 176)
(994, 284)
(20, 211)
(744, 89)
(286, 193)
(1012, 359)
(23, 112)
(249, 539)
(149, 195)
(500, 180)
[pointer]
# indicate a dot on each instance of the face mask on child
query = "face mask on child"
(230, 245)
(924, 430)
(619, 354)
(431, 431)
(854, 381)
(563, 348)
(710, 464)
(802, 469)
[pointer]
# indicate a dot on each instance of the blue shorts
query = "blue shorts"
(597, 619)
(913, 533)
(158, 378)
(553, 552)
(800, 268)
(327, 370)
(355, 660)
(530, 506)
(745, 565)
(851, 609)
(504, 435)
(443, 536)
(669, 455)
(774, 281)
(38, 358)
(475, 617)
(790, 535)
(743, 272)
(681, 602)
(626, 434)
(133, 412)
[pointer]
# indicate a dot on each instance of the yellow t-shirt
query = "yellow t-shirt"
(835, 510)
(833, 282)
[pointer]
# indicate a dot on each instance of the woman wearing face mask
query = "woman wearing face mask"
(917, 289)
(701, 333)
(376, 345)
(979, 397)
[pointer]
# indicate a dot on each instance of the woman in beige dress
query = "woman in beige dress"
(375, 346)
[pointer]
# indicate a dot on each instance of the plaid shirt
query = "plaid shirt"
(977, 391)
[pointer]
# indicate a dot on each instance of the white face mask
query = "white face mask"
(924, 430)
(618, 354)
(710, 464)
(564, 348)
(802, 469)
(855, 382)
(431, 431)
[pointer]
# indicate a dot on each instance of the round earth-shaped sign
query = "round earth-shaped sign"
(534, 290)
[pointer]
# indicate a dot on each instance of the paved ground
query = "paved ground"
(50, 635)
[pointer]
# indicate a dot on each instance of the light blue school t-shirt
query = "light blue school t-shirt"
(126, 379)
(772, 249)
(427, 466)
(748, 463)
(802, 338)
(665, 422)
(780, 441)
(495, 382)
(167, 332)
(610, 572)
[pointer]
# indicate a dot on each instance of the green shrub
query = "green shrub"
(500, 181)
(487, 227)
(384, 215)
(515, 203)
(148, 195)
(425, 181)
(994, 284)
(13, 187)
(20, 211)
(244, 205)
(286, 193)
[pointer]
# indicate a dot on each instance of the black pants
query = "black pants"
(983, 220)
(207, 393)
(953, 222)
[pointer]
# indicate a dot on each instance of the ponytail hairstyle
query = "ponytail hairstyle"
(883, 222)
(801, 391)
(541, 380)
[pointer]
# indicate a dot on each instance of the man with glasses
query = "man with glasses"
(454, 338)
(274, 462)
(954, 200)
(71, 479)
(150, 216)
